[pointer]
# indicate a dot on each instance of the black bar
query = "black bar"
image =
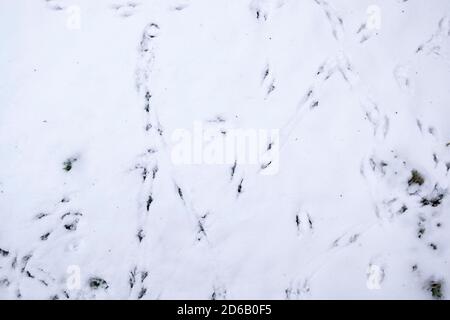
(230, 309)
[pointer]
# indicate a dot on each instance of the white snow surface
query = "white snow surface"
(361, 108)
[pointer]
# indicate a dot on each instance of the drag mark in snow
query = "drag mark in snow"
(335, 20)
(372, 24)
(201, 233)
(309, 101)
(437, 44)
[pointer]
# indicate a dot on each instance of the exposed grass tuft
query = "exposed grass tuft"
(435, 287)
(416, 178)
(68, 164)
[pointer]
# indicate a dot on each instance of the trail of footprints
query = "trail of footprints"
(342, 66)
(423, 201)
(148, 166)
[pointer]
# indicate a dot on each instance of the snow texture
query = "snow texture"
(92, 205)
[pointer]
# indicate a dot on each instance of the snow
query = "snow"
(351, 98)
